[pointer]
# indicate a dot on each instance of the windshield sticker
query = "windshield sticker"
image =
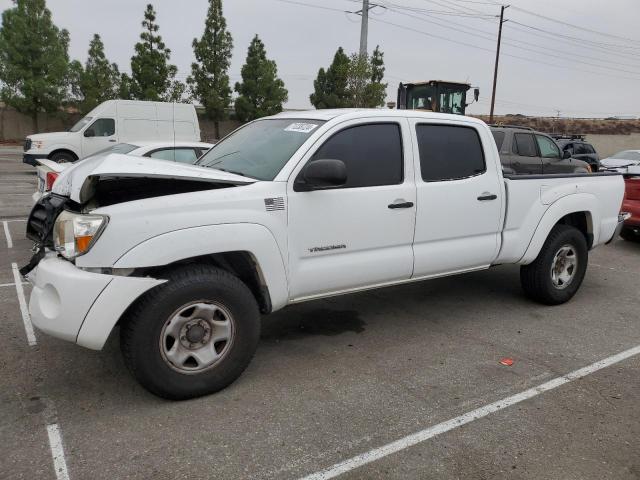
(300, 127)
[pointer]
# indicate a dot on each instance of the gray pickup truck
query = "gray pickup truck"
(524, 151)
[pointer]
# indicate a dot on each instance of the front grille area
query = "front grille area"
(27, 144)
(42, 218)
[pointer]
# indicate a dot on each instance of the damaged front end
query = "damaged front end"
(40, 227)
(109, 180)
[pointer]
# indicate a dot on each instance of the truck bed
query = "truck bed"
(532, 198)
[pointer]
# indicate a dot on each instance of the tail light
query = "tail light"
(50, 180)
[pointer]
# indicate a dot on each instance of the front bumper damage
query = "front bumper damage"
(68, 302)
(79, 306)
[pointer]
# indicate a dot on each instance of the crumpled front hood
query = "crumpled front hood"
(76, 181)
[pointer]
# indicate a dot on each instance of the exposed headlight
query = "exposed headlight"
(74, 234)
(37, 144)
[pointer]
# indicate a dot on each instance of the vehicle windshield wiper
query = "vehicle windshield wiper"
(219, 159)
(235, 172)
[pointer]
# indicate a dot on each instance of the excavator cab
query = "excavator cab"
(435, 95)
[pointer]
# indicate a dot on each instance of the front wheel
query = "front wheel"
(193, 335)
(557, 273)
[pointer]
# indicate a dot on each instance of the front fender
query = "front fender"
(205, 240)
(579, 202)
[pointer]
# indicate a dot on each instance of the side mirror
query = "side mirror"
(476, 93)
(566, 154)
(89, 132)
(321, 175)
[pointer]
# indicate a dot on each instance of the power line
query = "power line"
(581, 28)
(514, 43)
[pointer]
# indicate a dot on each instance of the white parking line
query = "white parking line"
(7, 234)
(57, 452)
(15, 220)
(423, 435)
(10, 284)
(26, 319)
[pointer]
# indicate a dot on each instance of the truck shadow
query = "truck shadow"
(318, 321)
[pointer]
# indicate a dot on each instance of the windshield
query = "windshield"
(80, 125)
(260, 149)
(627, 155)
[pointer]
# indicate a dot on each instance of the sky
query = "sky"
(546, 68)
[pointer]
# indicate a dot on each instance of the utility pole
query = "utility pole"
(364, 25)
(495, 71)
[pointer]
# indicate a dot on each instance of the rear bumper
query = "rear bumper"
(621, 221)
(30, 158)
(78, 306)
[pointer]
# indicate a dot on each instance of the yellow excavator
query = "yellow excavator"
(436, 96)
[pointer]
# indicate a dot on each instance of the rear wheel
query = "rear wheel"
(63, 157)
(630, 234)
(556, 274)
(193, 335)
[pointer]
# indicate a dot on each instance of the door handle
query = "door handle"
(487, 196)
(401, 205)
(112, 140)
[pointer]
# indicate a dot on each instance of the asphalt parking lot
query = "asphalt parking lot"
(366, 380)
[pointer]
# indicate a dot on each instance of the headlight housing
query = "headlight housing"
(74, 234)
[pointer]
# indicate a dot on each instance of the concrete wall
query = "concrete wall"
(607, 145)
(14, 126)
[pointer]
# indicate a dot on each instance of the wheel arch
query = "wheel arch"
(579, 211)
(63, 150)
(248, 251)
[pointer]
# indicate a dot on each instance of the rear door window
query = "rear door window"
(524, 145)
(449, 152)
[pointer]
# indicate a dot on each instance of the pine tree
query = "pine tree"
(330, 87)
(152, 77)
(209, 80)
(98, 81)
(365, 80)
(376, 90)
(261, 92)
(34, 61)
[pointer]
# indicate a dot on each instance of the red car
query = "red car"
(631, 204)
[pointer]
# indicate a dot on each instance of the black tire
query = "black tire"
(629, 234)
(536, 278)
(63, 157)
(143, 325)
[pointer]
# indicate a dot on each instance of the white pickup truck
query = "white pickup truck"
(292, 208)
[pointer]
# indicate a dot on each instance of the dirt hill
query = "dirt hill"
(570, 125)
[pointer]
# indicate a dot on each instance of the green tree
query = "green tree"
(330, 87)
(33, 59)
(209, 80)
(261, 92)
(98, 81)
(152, 76)
(376, 90)
(364, 80)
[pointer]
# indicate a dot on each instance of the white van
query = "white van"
(115, 121)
